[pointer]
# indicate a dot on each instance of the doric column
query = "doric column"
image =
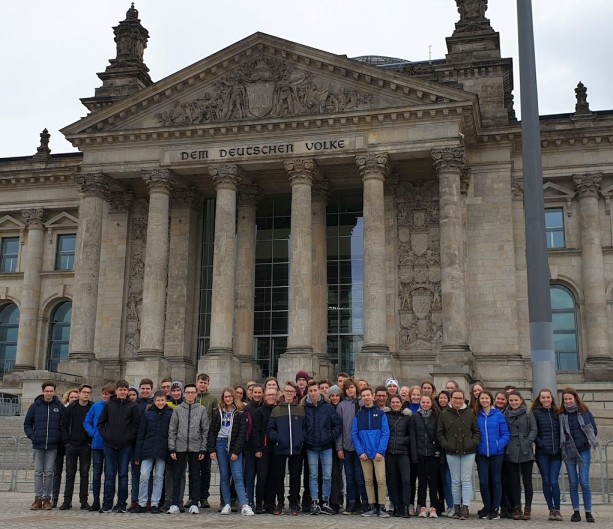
(319, 295)
(301, 174)
(450, 165)
(598, 359)
(159, 183)
(244, 289)
(30, 293)
(374, 169)
(226, 179)
(94, 188)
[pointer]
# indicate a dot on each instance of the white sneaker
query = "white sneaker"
(194, 509)
(246, 511)
(173, 510)
(423, 513)
(449, 512)
(226, 509)
(433, 513)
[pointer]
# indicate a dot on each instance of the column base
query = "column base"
(150, 353)
(598, 370)
(20, 368)
(455, 354)
(462, 374)
(223, 368)
(154, 368)
(90, 369)
(374, 365)
(293, 361)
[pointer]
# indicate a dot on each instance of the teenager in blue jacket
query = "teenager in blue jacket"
(490, 454)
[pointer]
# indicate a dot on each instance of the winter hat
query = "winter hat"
(302, 374)
(334, 390)
(132, 388)
(176, 384)
(391, 381)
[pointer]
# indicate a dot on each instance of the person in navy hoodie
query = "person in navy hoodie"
(490, 454)
(152, 451)
(548, 452)
(91, 427)
(42, 426)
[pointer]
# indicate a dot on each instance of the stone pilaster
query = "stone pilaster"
(244, 289)
(374, 360)
(26, 357)
(219, 362)
(82, 359)
(450, 167)
(598, 364)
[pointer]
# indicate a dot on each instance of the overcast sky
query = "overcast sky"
(50, 51)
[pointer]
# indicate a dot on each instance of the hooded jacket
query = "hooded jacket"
(457, 431)
(323, 425)
(43, 422)
(548, 437)
(91, 424)
(370, 432)
(523, 433)
(286, 428)
(152, 437)
(238, 432)
(494, 433)
(188, 429)
(118, 423)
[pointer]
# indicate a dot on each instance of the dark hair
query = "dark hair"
(190, 385)
(367, 388)
(83, 386)
(428, 381)
(342, 374)
(203, 376)
(395, 396)
(272, 378)
(167, 379)
(435, 409)
(350, 382)
(581, 407)
(380, 388)
(509, 387)
(121, 383)
(258, 385)
(443, 392)
(516, 394)
(159, 393)
(312, 383)
(536, 403)
(48, 383)
(324, 381)
(145, 382)
(489, 394)
(288, 383)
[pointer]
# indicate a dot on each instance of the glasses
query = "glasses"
(457, 398)
(271, 396)
(289, 390)
(189, 391)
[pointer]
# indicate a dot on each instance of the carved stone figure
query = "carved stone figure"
(471, 9)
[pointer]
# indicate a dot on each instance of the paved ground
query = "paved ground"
(15, 514)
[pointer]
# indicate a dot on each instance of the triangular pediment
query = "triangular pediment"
(62, 220)
(264, 78)
(9, 223)
(554, 192)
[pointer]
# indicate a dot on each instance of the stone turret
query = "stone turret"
(127, 73)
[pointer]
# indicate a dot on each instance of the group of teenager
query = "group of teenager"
(408, 444)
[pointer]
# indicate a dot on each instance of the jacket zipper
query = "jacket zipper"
(289, 418)
(487, 438)
(48, 418)
(189, 420)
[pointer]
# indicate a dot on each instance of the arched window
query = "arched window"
(59, 335)
(564, 317)
(9, 323)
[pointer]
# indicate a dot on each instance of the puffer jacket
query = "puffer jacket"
(238, 432)
(118, 423)
(152, 437)
(286, 428)
(188, 429)
(424, 433)
(370, 432)
(494, 433)
(547, 440)
(91, 424)
(259, 437)
(323, 425)
(401, 425)
(523, 432)
(457, 431)
(42, 424)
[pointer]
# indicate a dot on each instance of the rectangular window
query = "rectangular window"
(9, 252)
(554, 228)
(64, 255)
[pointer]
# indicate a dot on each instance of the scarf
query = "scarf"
(567, 443)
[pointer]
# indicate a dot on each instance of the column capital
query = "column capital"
(302, 171)
(449, 159)
(186, 199)
(587, 185)
(373, 166)
(34, 218)
(93, 184)
(119, 201)
(248, 194)
(226, 176)
(159, 180)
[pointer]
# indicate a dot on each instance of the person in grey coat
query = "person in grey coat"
(519, 456)
(187, 437)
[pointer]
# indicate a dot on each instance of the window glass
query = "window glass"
(554, 228)
(65, 252)
(564, 319)
(59, 335)
(9, 323)
(9, 252)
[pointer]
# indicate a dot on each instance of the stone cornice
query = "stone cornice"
(373, 166)
(31, 179)
(226, 176)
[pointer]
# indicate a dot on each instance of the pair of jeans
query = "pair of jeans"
(490, 481)
(249, 475)
(398, 475)
(354, 477)
(324, 457)
(83, 456)
(579, 474)
(158, 465)
(294, 464)
(228, 468)
(186, 459)
(97, 469)
(461, 469)
(44, 463)
(549, 467)
(447, 495)
(427, 474)
(116, 463)
(516, 474)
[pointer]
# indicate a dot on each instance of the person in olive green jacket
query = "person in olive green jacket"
(458, 434)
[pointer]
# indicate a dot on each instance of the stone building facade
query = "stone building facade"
(275, 207)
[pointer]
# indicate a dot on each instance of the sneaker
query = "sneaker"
(411, 510)
(85, 506)
(173, 509)
(433, 513)
(155, 510)
(315, 510)
(194, 509)
(493, 515)
(226, 509)
(576, 517)
(139, 509)
(559, 516)
(422, 513)
(181, 506)
(372, 511)
(482, 514)
(278, 510)
(589, 517)
(383, 512)
(106, 509)
(350, 508)
(449, 512)
(205, 504)
(326, 509)
(54, 503)
(95, 507)
(120, 508)
(65, 506)
(247, 510)
(293, 510)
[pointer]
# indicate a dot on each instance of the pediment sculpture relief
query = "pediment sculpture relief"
(264, 88)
